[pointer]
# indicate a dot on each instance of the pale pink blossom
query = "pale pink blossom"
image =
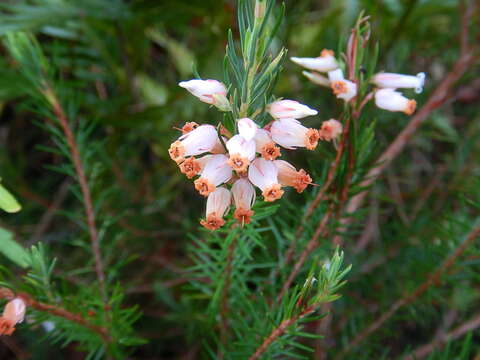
(289, 176)
(244, 197)
(215, 172)
(330, 130)
(264, 175)
(290, 134)
(282, 109)
(395, 81)
(342, 88)
(198, 141)
(265, 145)
(209, 91)
(324, 63)
(193, 166)
(391, 100)
(247, 128)
(218, 203)
(241, 152)
(13, 314)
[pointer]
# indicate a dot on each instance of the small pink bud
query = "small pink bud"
(324, 63)
(212, 92)
(330, 130)
(290, 109)
(13, 314)
(395, 81)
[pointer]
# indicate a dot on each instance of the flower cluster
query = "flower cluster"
(13, 314)
(230, 166)
(386, 96)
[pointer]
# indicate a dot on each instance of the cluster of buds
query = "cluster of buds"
(230, 166)
(13, 314)
(386, 96)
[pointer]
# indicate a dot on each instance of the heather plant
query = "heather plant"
(188, 180)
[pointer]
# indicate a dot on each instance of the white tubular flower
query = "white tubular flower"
(391, 100)
(192, 167)
(263, 174)
(324, 63)
(244, 196)
(218, 203)
(290, 109)
(247, 128)
(198, 141)
(395, 81)
(13, 314)
(265, 145)
(330, 130)
(215, 172)
(212, 92)
(342, 88)
(289, 176)
(290, 134)
(241, 152)
(317, 78)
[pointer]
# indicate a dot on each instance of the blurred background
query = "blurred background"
(122, 61)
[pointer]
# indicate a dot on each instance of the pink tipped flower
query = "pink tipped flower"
(196, 142)
(264, 175)
(317, 78)
(324, 63)
(215, 172)
(342, 88)
(330, 130)
(290, 134)
(391, 100)
(13, 314)
(247, 128)
(218, 203)
(212, 92)
(192, 166)
(289, 176)
(394, 81)
(244, 197)
(265, 145)
(290, 109)
(241, 152)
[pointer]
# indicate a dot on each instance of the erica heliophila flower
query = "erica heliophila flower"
(290, 109)
(247, 128)
(241, 152)
(265, 145)
(192, 166)
(244, 197)
(13, 314)
(342, 88)
(330, 130)
(218, 203)
(324, 63)
(317, 78)
(391, 100)
(395, 81)
(196, 142)
(289, 176)
(264, 175)
(215, 172)
(212, 92)
(290, 134)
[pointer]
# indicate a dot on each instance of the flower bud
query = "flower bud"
(290, 109)
(324, 63)
(13, 314)
(395, 81)
(218, 203)
(391, 100)
(212, 92)
(330, 130)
